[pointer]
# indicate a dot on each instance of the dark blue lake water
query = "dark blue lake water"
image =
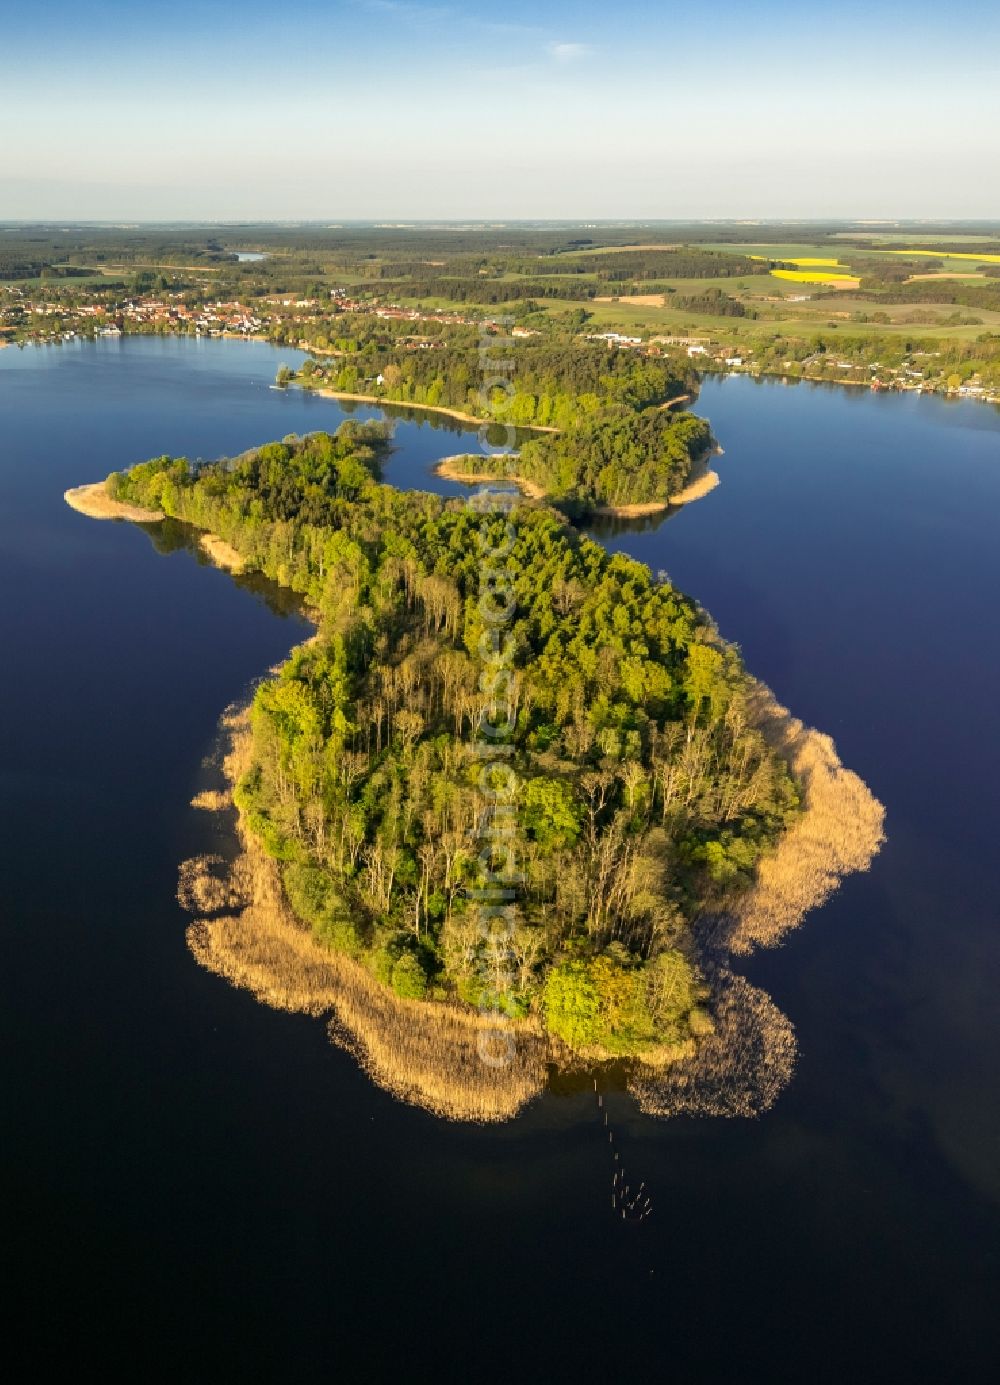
(200, 1185)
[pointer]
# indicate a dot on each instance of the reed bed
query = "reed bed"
(743, 1066)
(839, 832)
(739, 1070)
(222, 554)
(93, 500)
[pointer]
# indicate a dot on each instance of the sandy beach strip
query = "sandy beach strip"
(455, 469)
(221, 553)
(93, 500)
(427, 409)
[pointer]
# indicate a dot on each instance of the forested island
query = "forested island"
(666, 810)
(621, 462)
(604, 434)
(646, 793)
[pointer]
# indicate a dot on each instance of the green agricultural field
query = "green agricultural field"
(914, 238)
(779, 317)
(772, 251)
(799, 319)
(747, 286)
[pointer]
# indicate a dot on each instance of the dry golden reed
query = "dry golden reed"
(838, 833)
(222, 554)
(743, 1066)
(700, 485)
(93, 500)
(208, 884)
(739, 1070)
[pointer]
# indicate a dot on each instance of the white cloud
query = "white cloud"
(568, 52)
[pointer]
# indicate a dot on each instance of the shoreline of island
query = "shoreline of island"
(326, 393)
(94, 501)
(702, 481)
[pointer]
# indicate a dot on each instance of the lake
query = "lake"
(196, 1183)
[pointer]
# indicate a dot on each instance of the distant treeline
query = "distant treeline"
(969, 295)
(681, 263)
(480, 289)
(714, 303)
(559, 277)
(27, 253)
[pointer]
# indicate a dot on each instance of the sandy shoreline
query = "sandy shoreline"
(701, 481)
(221, 553)
(694, 490)
(697, 488)
(451, 468)
(93, 500)
(426, 408)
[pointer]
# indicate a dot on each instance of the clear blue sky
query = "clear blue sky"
(397, 109)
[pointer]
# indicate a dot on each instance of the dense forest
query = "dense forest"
(984, 295)
(666, 262)
(477, 288)
(713, 302)
(641, 793)
(619, 457)
(552, 383)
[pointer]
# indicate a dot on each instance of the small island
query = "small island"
(616, 461)
(468, 469)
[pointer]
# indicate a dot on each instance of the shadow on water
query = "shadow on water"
(171, 536)
(605, 527)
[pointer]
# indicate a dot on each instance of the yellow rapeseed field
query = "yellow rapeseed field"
(814, 276)
(950, 255)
